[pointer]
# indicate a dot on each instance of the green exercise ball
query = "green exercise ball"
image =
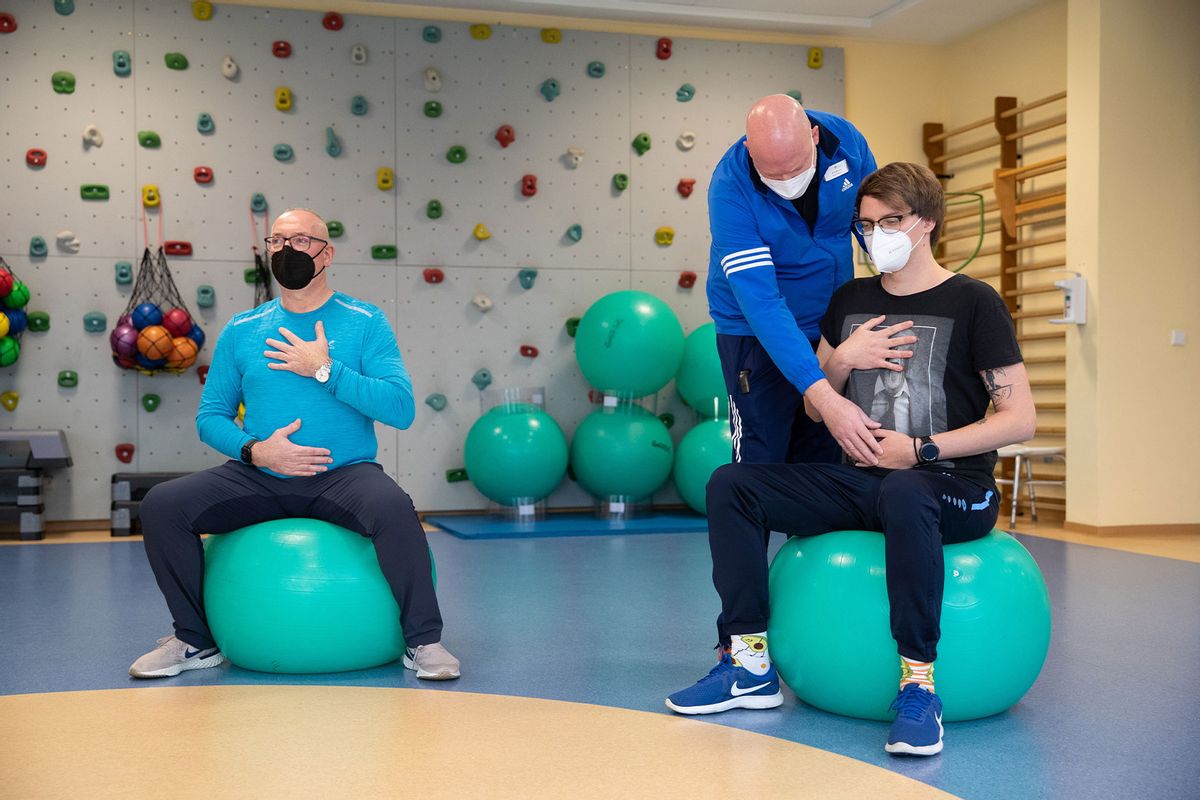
(622, 452)
(700, 381)
(516, 453)
(300, 596)
(629, 344)
(830, 636)
(702, 449)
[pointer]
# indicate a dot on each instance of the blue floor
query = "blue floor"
(1115, 713)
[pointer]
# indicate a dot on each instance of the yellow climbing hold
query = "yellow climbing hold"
(481, 232)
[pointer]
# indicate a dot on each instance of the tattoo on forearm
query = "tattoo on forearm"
(996, 390)
(980, 422)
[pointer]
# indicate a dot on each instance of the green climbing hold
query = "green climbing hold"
(433, 108)
(575, 232)
(149, 139)
(433, 209)
(283, 152)
(68, 379)
(333, 145)
(63, 82)
(204, 122)
(95, 322)
(527, 276)
(595, 69)
(795, 95)
(482, 379)
(685, 93)
(436, 401)
(641, 143)
(250, 275)
(336, 229)
(64, 7)
(456, 154)
(258, 203)
(206, 296)
(124, 272)
(383, 251)
(122, 64)
(620, 181)
(572, 326)
(176, 61)
(358, 105)
(38, 321)
(456, 475)
(93, 191)
(151, 402)
(37, 247)
(431, 34)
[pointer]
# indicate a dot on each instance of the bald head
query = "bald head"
(300, 220)
(779, 137)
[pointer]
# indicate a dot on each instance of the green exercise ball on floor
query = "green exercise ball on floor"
(516, 453)
(830, 636)
(624, 451)
(702, 449)
(701, 382)
(629, 344)
(299, 596)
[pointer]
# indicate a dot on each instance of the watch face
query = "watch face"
(930, 452)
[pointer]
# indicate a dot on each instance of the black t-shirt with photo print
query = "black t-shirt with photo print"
(962, 328)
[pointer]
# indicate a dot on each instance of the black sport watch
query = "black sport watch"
(928, 452)
(246, 459)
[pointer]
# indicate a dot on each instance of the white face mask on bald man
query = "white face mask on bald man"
(795, 186)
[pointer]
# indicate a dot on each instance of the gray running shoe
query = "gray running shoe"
(432, 662)
(172, 657)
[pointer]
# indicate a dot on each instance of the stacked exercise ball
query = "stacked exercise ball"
(622, 452)
(831, 639)
(629, 344)
(14, 295)
(149, 340)
(516, 454)
(704, 448)
(701, 382)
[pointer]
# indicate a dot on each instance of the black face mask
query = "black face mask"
(293, 269)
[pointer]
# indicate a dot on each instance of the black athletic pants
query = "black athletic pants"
(918, 511)
(359, 497)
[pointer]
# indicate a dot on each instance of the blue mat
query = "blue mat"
(581, 524)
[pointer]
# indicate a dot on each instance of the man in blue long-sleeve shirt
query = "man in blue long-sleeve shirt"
(780, 206)
(315, 368)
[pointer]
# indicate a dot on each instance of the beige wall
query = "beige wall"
(1135, 177)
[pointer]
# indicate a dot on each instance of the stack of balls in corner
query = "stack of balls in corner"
(13, 296)
(150, 340)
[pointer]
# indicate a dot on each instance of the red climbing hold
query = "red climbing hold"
(687, 279)
(505, 135)
(124, 452)
(281, 49)
(686, 187)
(529, 351)
(434, 275)
(8, 23)
(35, 157)
(333, 21)
(528, 185)
(176, 248)
(663, 50)
(203, 174)
(202, 374)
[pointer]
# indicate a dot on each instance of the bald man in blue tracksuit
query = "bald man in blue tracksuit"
(781, 203)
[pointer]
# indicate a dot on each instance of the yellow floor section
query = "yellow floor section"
(352, 742)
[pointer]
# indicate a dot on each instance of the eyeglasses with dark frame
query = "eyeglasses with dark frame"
(889, 224)
(300, 241)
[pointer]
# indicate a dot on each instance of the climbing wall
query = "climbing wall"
(485, 82)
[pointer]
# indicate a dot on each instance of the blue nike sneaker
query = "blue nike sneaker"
(917, 730)
(728, 686)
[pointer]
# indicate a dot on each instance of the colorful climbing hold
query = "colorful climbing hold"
(93, 191)
(281, 49)
(505, 135)
(482, 379)
(573, 157)
(816, 58)
(481, 232)
(433, 79)
(685, 93)
(95, 322)
(150, 196)
(687, 279)
(175, 247)
(431, 34)
(795, 95)
(122, 64)
(38, 321)
(250, 275)
(206, 296)
(436, 401)
(335, 228)
(664, 236)
(176, 60)
(202, 175)
(662, 49)
(258, 203)
(527, 277)
(686, 186)
(433, 108)
(641, 143)
(124, 452)
(456, 154)
(551, 35)
(433, 275)
(35, 157)
(151, 402)
(481, 32)
(8, 23)
(229, 68)
(572, 325)
(92, 136)
(204, 122)
(202, 374)
(9, 349)
(283, 98)
(620, 181)
(333, 145)
(686, 141)
(149, 139)
(68, 241)
(333, 21)
(63, 82)
(457, 475)
(575, 232)
(282, 152)
(385, 179)
(383, 251)
(528, 185)
(358, 105)
(202, 10)
(482, 302)
(595, 69)
(358, 54)
(68, 379)
(529, 351)
(550, 89)
(123, 272)
(433, 209)
(37, 247)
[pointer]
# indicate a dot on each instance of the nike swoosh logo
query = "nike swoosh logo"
(738, 691)
(189, 653)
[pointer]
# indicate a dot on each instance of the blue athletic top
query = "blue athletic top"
(771, 274)
(367, 382)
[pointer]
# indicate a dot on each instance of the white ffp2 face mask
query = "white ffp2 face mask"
(795, 186)
(890, 251)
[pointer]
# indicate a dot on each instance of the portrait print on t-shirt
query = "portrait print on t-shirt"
(912, 401)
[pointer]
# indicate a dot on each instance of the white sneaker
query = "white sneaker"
(432, 662)
(172, 657)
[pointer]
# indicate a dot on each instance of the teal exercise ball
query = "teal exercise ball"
(701, 450)
(623, 451)
(830, 637)
(701, 382)
(299, 596)
(516, 453)
(629, 344)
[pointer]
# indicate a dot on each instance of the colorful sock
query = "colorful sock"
(918, 672)
(749, 651)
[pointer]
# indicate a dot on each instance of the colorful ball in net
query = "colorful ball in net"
(124, 341)
(178, 322)
(17, 297)
(17, 321)
(196, 334)
(3, 325)
(145, 315)
(6, 282)
(10, 351)
(183, 353)
(150, 363)
(155, 343)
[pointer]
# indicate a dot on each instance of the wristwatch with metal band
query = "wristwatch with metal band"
(322, 373)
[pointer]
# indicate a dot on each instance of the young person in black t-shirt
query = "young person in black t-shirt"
(922, 351)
